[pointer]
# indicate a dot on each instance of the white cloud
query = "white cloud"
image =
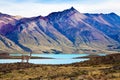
(34, 9)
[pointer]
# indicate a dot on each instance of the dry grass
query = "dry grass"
(78, 71)
(47, 72)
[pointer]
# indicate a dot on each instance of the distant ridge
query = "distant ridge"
(67, 31)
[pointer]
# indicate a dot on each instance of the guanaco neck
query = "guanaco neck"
(30, 54)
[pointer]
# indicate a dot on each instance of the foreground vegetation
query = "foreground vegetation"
(97, 68)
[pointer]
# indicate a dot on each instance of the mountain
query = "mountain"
(8, 46)
(67, 31)
(6, 22)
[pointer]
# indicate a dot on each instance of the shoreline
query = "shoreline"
(19, 57)
(93, 58)
(97, 68)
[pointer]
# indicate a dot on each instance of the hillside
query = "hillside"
(67, 31)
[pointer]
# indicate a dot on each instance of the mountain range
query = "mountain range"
(67, 31)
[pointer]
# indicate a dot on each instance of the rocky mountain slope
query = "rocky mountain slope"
(68, 31)
(8, 45)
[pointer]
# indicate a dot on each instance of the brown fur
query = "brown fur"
(26, 57)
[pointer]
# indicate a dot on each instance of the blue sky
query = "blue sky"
(30, 8)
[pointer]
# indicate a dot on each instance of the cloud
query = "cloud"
(105, 7)
(41, 1)
(30, 8)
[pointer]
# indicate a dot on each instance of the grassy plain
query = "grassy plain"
(97, 68)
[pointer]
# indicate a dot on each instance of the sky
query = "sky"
(30, 8)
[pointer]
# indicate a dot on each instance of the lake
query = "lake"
(44, 61)
(58, 58)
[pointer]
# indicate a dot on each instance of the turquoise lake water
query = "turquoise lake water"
(59, 58)
(44, 61)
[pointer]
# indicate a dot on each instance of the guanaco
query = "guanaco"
(26, 57)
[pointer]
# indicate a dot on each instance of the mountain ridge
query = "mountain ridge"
(67, 31)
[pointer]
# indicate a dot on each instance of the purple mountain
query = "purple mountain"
(68, 31)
